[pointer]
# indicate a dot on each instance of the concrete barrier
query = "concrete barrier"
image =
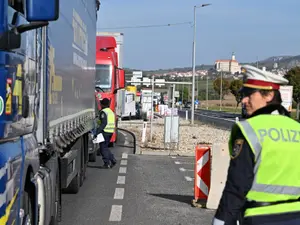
(219, 166)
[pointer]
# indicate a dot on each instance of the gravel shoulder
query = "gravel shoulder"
(189, 135)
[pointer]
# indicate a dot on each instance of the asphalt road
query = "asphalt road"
(140, 189)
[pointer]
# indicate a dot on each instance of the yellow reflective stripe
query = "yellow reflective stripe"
(4, 219)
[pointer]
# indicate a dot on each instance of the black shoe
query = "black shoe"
(113, 163)
(106, 166)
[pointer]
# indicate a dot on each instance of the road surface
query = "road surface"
(139, 190)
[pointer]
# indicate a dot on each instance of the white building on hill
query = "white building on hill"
(228, 65)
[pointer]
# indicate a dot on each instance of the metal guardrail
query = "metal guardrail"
(220, 119)
(134, 139)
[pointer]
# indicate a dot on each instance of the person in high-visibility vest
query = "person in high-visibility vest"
(106, 127)
(263, 181)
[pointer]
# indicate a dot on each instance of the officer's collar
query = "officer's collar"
(270, 109)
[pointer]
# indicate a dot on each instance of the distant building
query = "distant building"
(228, 65)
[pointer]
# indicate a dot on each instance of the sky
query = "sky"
(254, 30)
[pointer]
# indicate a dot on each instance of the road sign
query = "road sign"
(136, 81)
(196, 102)
(159, 82)
(176, 95)
(137, 74)
(146, 81)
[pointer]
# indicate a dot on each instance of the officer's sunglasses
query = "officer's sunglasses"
(246, 92)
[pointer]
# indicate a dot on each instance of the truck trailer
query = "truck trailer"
(46, 105)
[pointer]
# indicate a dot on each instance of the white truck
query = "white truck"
(127, 103)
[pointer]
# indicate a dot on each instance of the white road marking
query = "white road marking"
(116, 213)
(121, 180)
(124, 156)
(178, 163)
(122, 170)
(119, 193)
(189, 178)
(173, 157)
(123, 162)
(183, 169)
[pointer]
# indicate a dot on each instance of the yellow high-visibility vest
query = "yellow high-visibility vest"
(275, 142)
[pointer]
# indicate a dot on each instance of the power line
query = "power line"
(146, 26)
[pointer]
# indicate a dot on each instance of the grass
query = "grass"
(236, 110)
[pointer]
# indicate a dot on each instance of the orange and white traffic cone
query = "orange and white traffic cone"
(202, 175)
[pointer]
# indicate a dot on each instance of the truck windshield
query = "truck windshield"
(103, 76)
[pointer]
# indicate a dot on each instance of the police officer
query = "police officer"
(107, 128)
(263, 181)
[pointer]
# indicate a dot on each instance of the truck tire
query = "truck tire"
(57, 207)
(28, 209)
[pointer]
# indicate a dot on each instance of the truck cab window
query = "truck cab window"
(18, 5)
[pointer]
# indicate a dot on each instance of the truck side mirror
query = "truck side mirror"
(42, 10)
(121, 78)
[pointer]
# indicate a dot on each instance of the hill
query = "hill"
(284, 62)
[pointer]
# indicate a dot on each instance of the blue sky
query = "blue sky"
(251, 29)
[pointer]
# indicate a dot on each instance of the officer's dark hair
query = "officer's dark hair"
(105, 102)
(277, 96)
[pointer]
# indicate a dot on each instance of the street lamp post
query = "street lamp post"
(194, 61)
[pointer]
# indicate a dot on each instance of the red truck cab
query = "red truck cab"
(109, 78)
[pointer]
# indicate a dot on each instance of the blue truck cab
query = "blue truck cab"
(47, 60)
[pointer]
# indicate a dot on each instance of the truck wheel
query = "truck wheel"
(28, 210)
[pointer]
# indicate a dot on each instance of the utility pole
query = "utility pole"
(194, 61)
(207, 91)
(221, 90)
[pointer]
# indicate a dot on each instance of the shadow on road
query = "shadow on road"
(179, 198)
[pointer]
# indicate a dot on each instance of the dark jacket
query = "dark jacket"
(103, 118)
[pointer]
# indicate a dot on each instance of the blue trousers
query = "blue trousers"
(107, 156)
(295, 221)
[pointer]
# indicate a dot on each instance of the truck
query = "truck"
(119, 37)
(109, 77)
(47, 67)
(128, 103)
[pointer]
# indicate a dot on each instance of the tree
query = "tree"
(293, 76)
(185, 93)
(225, 86)
(235, 86)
